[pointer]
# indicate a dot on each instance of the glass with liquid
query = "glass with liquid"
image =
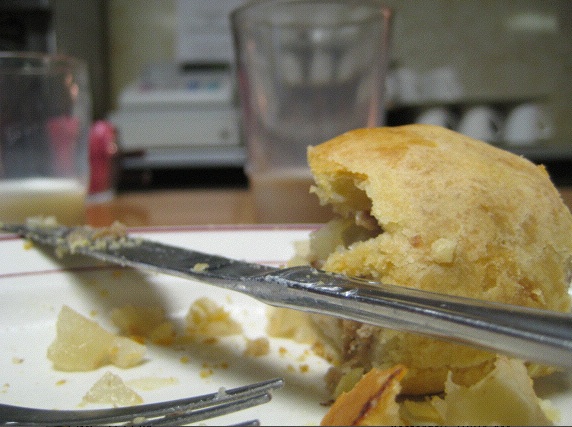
(45, 116)
(62, 198)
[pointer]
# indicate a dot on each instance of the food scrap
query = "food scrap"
(257, 347)
(110, 389)
(82, 345)
(370, 402)
(144, 323)
(206, 319)
(504, 396)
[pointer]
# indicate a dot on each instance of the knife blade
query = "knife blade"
(542, 336)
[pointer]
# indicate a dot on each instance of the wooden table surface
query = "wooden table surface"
(187, 207)
(175, 207)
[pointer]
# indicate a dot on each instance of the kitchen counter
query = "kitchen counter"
(187, 207)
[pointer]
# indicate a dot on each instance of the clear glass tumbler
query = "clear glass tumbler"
(307, 70)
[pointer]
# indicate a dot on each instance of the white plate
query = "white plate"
(34, 286)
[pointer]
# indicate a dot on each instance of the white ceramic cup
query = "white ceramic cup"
(482, 122)
(527, 124)
(408, 86)
(441, 84)
(439, 116)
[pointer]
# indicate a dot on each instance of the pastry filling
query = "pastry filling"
(341, 233)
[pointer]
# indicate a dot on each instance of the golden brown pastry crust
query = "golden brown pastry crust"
(459, 216)
(371, 402)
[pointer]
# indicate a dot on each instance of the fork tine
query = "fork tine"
(202, 414)
(201, 407)
(225, 403)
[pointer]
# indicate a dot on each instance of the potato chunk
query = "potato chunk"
(110, 389)
(83, 345)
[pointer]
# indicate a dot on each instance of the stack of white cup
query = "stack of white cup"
(525, 124)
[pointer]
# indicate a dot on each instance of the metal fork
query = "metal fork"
(175, 412)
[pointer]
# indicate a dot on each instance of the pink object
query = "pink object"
(102, 153)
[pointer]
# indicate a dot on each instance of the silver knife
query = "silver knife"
(542, 336)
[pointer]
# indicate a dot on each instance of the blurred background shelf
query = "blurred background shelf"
(503, 53)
